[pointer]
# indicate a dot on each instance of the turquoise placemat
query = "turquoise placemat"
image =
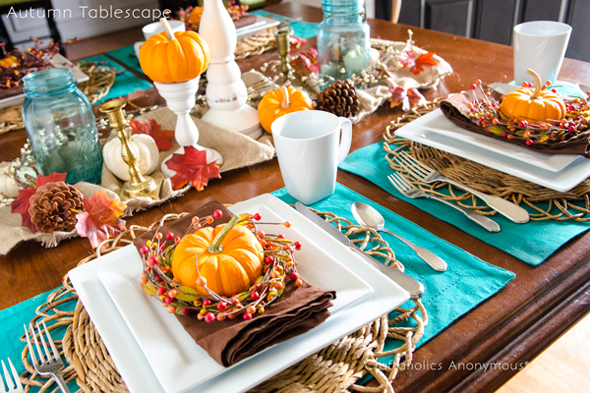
(300, 28)
(12, 320)
(125, 83)
(532, 242)
(467, 282)
(126, 55)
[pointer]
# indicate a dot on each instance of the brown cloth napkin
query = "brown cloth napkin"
(5, 93)
(456, 110)
(229, 341)
(245, 20)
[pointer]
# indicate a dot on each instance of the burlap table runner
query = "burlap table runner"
(369, 100)
(238, 151)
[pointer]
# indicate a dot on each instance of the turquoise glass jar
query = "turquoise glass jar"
(343, 39)
(61, 127)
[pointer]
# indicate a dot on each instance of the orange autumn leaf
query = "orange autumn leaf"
(153, 129)
(416, 65)
(192, 167)
(101, 218)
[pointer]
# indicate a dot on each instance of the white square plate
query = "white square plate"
(134, 366)
(564, 180)
(438, 123)
(178, 362)
(58, 61)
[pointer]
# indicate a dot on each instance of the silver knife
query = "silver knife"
(414, 287)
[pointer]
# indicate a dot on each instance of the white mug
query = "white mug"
(310, 145)
(540, 46)
(156, 28)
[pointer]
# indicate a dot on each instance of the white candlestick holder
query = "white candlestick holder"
(180, 99)
(226, 92)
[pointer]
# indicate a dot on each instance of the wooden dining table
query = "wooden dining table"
(512, 327)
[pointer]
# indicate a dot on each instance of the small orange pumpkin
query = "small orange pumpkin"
(535, 105)
(279, 102)
(229, 258)
(178, 57)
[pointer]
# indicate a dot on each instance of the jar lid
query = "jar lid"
(46, 81)
(348, 6)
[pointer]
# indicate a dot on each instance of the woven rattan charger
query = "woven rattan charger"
(333, 369)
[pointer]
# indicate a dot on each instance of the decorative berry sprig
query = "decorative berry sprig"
(485, 112)
(279, 268)
(236, 11)
(17, 64)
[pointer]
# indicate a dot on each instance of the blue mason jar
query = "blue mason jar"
(61, 127)
(343, 39)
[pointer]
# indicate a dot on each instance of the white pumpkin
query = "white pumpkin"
(146, 152)
(8, 186)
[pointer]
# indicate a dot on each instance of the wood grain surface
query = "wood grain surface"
(511, 327)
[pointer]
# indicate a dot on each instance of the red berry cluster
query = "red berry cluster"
(17, 64)
(279, 268)
(236, 11)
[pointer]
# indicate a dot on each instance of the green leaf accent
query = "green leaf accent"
(187, 294)
(178, 311)
(243, 296)
(149, 289)
(496, 130)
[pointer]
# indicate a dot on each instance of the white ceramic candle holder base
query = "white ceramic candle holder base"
(180, 98)
(243, 120)
(226, 92)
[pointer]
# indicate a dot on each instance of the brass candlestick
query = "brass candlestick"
(138, 185)
(284, 47)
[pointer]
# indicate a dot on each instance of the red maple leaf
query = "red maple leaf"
(408, 59)
(100, 219)
(22, 203)
(192, 167)
(153, 129)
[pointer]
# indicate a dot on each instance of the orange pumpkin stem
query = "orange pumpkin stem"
(538, 84)
(216, 247)
(286, 102)
(167, 29)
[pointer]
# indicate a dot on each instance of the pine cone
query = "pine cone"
(340, 99)
(51, 206)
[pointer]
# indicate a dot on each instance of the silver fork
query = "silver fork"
(46, 366)
(411, 191)
(12, 383)
(428, 175)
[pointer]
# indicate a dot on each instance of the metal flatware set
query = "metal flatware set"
(369, 217)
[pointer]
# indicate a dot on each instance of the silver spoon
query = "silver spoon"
(368, 216)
